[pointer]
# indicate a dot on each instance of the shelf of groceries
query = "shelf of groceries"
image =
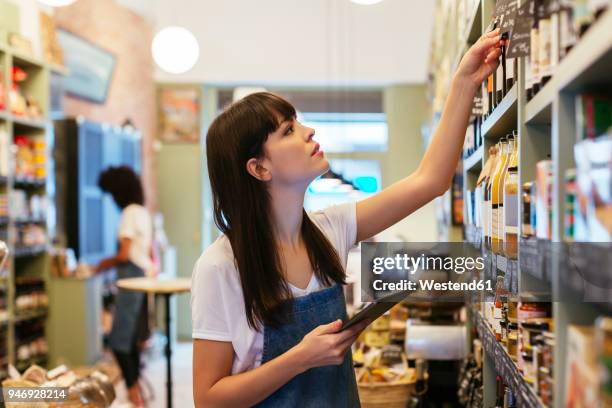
(537, 170)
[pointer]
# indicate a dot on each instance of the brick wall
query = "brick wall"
(132, 90)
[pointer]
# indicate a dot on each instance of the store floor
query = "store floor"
(155, 374)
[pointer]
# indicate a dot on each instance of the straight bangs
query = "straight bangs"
(268, 112)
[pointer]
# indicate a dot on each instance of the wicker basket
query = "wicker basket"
(381, 395)
(388, 395)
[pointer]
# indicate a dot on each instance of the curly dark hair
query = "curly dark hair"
(123, 184)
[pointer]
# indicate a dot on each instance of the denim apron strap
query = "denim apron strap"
(127, 311)
(329, 386)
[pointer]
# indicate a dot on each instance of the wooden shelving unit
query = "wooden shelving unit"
(546, 126)
(28, 261)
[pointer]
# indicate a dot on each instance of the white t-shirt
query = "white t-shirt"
(136, 224)
(217, 304)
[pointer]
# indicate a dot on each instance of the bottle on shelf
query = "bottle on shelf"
(567, 34)
(545, 34)
(526, 194)
(482, 193)
(570, 205)
(502, 181)
(511, 205)
(497, 197)
(534, 58)
(499, 394)
(488, 205)
(583, 18)
(501, 298)
(490, 94)
(544, 178)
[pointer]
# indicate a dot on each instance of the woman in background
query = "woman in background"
(133, 260)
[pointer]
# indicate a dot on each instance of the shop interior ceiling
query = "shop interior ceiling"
(300, 42)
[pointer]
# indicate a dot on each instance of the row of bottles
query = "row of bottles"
(497, 190)
(557, 26)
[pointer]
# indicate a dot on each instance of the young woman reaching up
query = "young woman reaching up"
(267, 302)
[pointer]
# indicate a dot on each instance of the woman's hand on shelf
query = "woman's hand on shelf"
(327, 345)
(481, 60)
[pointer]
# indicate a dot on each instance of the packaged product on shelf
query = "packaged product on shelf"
(603, 345)
(526, 312)
(544, 199)
(2, 89)
(545, 34)
(583, 18)
(484, 180)
(501, 299)
(497, 196)
(4, 151)
(582, 380)
(24, 160)
(534, 58)
(40, 157)
(567, 32)
(593, 116)
(594, 196)
(511, 206)
(570, 204)
(18, 102)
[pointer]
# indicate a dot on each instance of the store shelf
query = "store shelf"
(504, 366)
(538, 110)
(474, 162)
(586, 67)
(35, 124)
(581, 277)
(27, 61)
(535, 258)
(27, 221)
(29, 182)
(503, 119)
(30, 315)
(31, 251)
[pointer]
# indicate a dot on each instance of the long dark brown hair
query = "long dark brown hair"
(242, 207)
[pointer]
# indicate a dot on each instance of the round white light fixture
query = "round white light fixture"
(57, 3)
(366, 2)
(175, 49)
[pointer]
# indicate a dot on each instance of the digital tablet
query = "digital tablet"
(376, 309)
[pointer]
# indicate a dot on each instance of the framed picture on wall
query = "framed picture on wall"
(90, 67)
(179, 113)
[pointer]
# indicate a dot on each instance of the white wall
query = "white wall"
(303, 42)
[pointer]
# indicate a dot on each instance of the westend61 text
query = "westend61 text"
(431, 284)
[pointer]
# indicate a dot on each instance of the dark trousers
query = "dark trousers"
(129, 364)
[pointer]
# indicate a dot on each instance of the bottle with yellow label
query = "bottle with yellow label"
(511, 205)
(502, 184)
(488, 196)
(496, 187)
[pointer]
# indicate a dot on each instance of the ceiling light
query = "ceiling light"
(366, 2)
(175, 49)
(57, 3)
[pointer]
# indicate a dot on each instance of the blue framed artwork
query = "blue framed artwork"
(90, 67)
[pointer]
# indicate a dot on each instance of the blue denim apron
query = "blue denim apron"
(329, 386)
(128, 306)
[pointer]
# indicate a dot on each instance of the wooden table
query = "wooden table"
(165, 288)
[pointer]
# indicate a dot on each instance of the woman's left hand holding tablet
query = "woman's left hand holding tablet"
(326, 344)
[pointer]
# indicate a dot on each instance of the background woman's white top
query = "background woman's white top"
(136, 224)
(217, 305)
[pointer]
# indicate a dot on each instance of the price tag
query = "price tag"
(520, 41)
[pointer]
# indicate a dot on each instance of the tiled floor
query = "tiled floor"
(155, 374)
